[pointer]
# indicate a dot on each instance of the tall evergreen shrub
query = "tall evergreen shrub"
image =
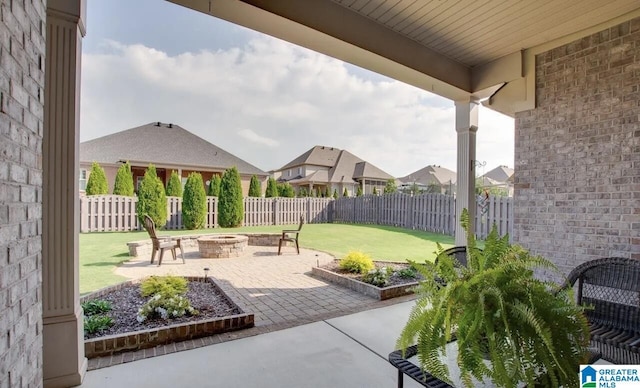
(255, 188)
(390, 187)
(123, 184)
(174, 186)
(272, 189)
(152, 199)
(214, 186)
(230, 208)
(97, 183)
(359, 192)
(194, 202)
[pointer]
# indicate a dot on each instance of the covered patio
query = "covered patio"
(567, 71)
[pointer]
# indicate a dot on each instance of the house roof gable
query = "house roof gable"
(162, 144)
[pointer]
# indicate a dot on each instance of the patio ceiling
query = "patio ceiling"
(458, 49)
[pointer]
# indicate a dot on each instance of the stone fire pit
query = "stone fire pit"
(222, 246)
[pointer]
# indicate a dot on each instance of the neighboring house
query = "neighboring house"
(499, 178)
(167, 146)
(327, 167)
(427, 178)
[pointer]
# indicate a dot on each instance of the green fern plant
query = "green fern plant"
(496, 309)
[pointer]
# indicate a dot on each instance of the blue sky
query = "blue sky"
(260, 98)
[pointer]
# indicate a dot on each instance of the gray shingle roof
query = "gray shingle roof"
(431, 174)
(162, 145)
(317, 156)
(344, 166)
(500, 174)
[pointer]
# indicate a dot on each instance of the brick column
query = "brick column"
(466, 127)
(63, 340)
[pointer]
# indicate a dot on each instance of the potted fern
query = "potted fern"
(510, 327)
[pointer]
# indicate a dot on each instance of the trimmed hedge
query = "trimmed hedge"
(174, 186)
(272, 189)
(123, 184)
(194, 203)
(255, 188)
(97, 183)
(230, 209)
(152, 199)
(214, 186)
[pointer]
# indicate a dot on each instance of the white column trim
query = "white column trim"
(64, 363)
(466, 128)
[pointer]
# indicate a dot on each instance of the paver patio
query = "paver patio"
(277, 289)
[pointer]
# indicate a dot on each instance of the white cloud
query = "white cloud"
(270, 101)
(254, 137)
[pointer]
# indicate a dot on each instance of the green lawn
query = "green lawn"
(100, 253)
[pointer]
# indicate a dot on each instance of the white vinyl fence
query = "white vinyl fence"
(429, 212)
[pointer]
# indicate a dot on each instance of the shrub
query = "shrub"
(359, 192)
(97, 323)
(255, 188)
(174, 186)
(408, 273)
(357, 262)
(272, 189)
(390, 187)
(345, 193)
(194, 203)
(95, 307)
(165, 285)
(286, 190)
(326, 192)
(97, 183)
(302, 192)
(230, 210)
(375, 191)
(214, 186)
(152, 199)
(335, 193)
(123, 184)
(379, 277)
(165, 307)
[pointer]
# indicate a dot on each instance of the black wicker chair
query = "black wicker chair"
(611, 286)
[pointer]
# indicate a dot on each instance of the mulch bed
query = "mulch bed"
(126, 301)
(394, 279)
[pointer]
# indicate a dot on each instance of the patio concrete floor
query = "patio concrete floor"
(277, 289)
(349, 351)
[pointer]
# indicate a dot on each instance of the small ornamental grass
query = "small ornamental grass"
(357, 262)
(167, 298)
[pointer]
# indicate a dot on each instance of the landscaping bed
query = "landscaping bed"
(396, 285)
(216, 313)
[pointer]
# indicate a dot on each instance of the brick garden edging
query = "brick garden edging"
(364, 288)
(143, 339)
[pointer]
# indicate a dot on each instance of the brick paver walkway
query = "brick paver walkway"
(278, 290)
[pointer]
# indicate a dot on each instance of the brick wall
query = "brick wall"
(22, 50)
(577, 179)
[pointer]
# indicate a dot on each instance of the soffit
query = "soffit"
(476, 32)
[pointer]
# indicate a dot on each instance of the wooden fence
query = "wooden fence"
(113, 213)
(429, 212)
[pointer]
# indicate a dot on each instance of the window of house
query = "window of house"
(288, 172)
(83, 179)
(299, 170)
